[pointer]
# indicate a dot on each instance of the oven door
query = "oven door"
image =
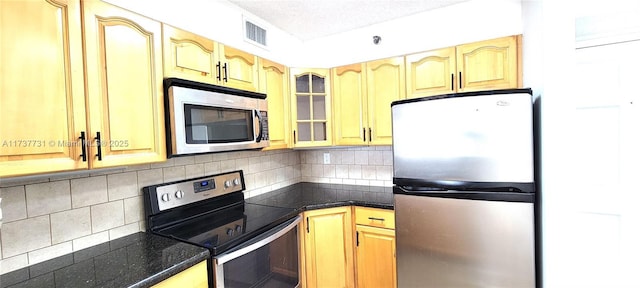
(269, 260)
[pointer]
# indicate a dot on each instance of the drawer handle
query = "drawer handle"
(376, 219)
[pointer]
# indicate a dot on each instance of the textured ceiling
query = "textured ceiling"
(310, 19)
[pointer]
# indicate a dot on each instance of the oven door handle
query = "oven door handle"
(261, 240)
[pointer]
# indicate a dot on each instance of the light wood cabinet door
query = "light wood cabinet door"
(124, 86)
(376, 257)
(311, 107)
(42, 108)
(431, 73)
(275, 83)
(195, 277)
(188, 56)
(329, 248)
(385, 84)
(238, 69)
(486, 65)
(350, 104)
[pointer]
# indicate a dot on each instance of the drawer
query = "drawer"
(375, 217)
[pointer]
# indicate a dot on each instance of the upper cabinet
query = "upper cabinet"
(491, 64)
(123, 58)
(310, 107)
(275, 82)
(485, 65)
(193, 57)
(385, 84)
(350, 104)
(42, 106)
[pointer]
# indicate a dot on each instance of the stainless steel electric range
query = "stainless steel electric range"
(251, 245)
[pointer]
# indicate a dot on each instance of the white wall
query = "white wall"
(218, 20)
(457, 24)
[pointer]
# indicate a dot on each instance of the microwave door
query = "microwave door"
(257, 123)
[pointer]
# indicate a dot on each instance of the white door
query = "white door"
(605, 217)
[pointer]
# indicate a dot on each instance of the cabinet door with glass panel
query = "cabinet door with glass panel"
(310, 107)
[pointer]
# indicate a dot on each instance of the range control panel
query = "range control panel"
(177, 194)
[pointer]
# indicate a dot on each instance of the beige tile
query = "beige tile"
(362, 182)
(25, 235)
(376, 158)
(184, 160)
(277, 160)
(164, 164)
(376, 183)
(71, 224)
(50, 252)
(329, 171)
(21, 181)
(47, 198)
(317, 170)
(220, 157)
(195, 170)
(305, 169)
(133, 210)
(387, 158)
(107, 216)
(249, 180)
(369, 172)
(211, 168)
(14, 203)
(361, 157)
(242, 164)
(336, 157)
(355, 172)
(149, 177)
(265, 163)
(91, 240)
(13, 263)
(123, 231)
(137, 167)
(384, 173)
(122, 185)
(342, 171)
(89, 191)
(203, 158)
(173, 173)
(227, 165)
(143, 226)
(348, 157)
(261, 179)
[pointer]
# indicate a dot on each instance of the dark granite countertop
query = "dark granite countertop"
(308, 196)
(137, 260)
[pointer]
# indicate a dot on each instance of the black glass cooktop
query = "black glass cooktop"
(228, 227)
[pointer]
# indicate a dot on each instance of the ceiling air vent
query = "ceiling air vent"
(255, 33)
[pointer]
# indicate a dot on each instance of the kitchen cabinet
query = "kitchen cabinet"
(193, 57)
(42, 106)
(195, 276)
(385, 84)
(328, 248)
(275, 82)
(490, 64)
(375, 247)
(484, 65)
(123, 58)
(350, 104)
(311, 107)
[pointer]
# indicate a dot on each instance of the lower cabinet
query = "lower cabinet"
(195, 277)
(328, 248)
(348, 247)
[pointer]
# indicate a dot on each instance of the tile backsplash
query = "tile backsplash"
(52, 215)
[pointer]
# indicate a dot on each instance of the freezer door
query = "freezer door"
(445, 242)
(481, 138)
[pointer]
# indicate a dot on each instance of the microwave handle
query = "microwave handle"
(257, 115)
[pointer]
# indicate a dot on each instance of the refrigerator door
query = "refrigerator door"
(447, 242)
(461, 138)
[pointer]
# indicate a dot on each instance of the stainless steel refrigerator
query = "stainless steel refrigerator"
(464, 191)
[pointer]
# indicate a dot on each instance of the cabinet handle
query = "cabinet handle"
(99, 145)
(224, 67)
(376, 219)
(370, 134)
(357, 238)
(460, 79)
(84, 146)
(307, 224)
(219, 72)
(294, 136)
(452, 82)
(364, 135)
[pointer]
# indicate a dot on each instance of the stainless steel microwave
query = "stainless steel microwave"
(203, 118)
